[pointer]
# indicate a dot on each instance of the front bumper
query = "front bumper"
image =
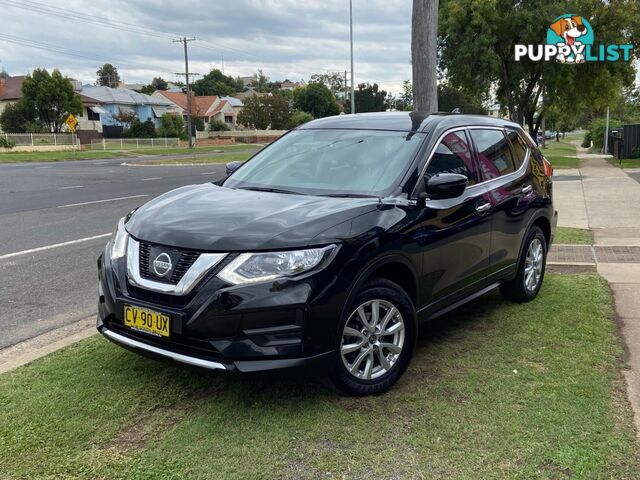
(290, 324)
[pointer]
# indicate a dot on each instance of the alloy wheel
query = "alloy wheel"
(533, 265)
(372, 339)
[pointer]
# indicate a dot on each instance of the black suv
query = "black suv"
(329, 247)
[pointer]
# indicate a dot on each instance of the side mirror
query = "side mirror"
(446, 185)
(233, 166)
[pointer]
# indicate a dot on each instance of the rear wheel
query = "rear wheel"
(531, 266)
(376, 340)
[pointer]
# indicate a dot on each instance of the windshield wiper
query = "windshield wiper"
(348, 195)
(270, 190)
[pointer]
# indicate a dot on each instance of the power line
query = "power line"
(69, 52)
(118, 25)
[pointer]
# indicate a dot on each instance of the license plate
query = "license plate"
(146, 320)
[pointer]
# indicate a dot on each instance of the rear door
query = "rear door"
(454, 234)
(502, 159)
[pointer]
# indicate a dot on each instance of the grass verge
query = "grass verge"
(496, 390)
(625, 162)
(561, 154)
(573, 236)
(24, 157)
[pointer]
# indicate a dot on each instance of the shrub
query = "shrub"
(298, 118)
(172, 126)
(139, 129)
(6, 143)
(218, 126)
(586, 143)
(199, 124)
(597, 130)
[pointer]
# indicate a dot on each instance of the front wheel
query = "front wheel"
(376, 340)
(531, 266)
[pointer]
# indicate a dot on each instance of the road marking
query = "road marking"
(55, 245)
(101, 201)
(99, 163)
(72, 186)
(151, 178)
(50, 166)
(209, 173)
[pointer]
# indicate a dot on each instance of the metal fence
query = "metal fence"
(132, 143)
(39, 139)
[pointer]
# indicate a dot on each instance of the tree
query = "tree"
(477, 53)
(15, 118)
(261, 82)
(255, 113)
(279, 112)
(198, 124)
(406, 97)
(172, 126)
(369, 98)
(159, 83)
(298, 118)
(108, 76)
(49, 99)
(424, 39)
(139, 129)
(215, 83)
(450, 98)
(334, 81)
(316, 99)
(125, 117)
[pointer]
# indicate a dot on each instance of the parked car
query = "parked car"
(331, 246)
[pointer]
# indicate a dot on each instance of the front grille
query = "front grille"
(185, 258)
(165, 299)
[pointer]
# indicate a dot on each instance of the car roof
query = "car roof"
(405, 121)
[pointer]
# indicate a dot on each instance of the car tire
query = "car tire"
(531, 268)
(383, 357)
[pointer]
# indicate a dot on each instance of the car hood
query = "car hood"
(212, 218)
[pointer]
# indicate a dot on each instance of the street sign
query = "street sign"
(71, 122)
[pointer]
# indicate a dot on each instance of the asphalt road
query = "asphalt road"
(43, 205)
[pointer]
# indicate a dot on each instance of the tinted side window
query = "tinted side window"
(493, 153)
(518, 147)
(453, 155)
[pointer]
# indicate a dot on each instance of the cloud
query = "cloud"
(285, 38)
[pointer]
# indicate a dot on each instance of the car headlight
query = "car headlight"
(261, 267)
(119, 241)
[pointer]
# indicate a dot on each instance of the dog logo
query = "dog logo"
(572, 31)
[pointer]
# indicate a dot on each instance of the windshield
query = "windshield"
(330, 162)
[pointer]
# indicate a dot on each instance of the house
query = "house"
(289, 85)
(236, 103)
(88, 120)
(206, 107)
(494, 111)
(10, 90)
(118, 103)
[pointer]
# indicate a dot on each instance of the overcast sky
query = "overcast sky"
(285, 38)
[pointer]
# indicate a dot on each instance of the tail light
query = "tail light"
(548, 169)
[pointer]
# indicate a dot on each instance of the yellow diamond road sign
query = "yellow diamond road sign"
(72, 122)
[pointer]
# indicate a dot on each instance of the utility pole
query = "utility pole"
(424, 43)
(222, 58)
(345, 89)
(606, 135)
(353, 98)
(185, 41)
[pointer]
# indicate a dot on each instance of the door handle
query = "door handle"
(485, 207)
(527, 189)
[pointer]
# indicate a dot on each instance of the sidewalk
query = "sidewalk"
(605, 199)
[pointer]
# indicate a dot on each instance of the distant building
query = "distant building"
(10, 90)
(289, 85)
(207, 107)
(495, 111)
(117, 101)
(235, 103)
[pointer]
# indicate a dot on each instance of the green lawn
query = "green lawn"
(573, 236)
(18, 157)
(626, 162)
(497, 390)
(561, 154)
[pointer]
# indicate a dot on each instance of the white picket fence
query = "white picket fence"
(39, 139)
(132, 143)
